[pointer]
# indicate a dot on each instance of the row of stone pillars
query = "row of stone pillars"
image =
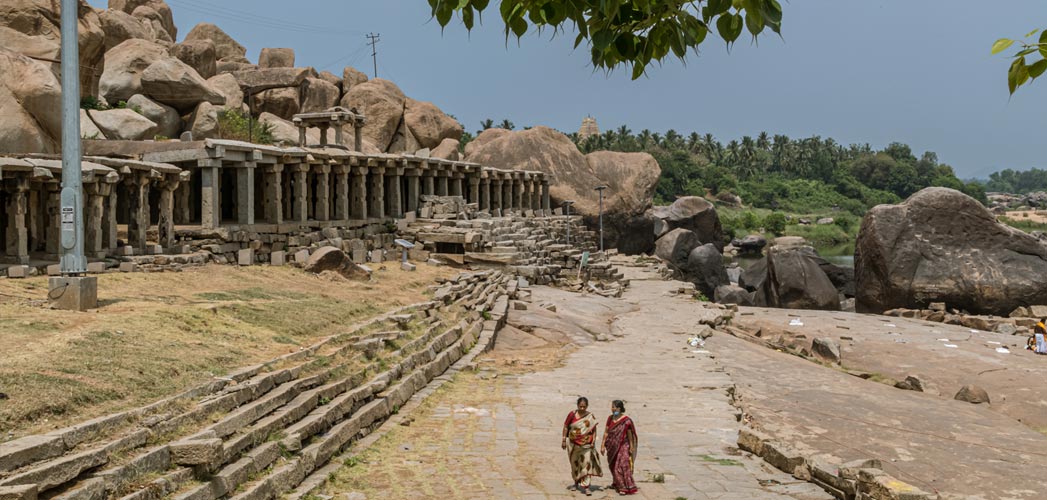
(303, 192)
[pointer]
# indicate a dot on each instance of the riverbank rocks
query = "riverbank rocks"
(705, 269)
(751, 245)
(795, 281)
(675, 247)
(826, 349)
(941, 245)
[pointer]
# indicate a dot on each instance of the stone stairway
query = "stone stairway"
(261, 431)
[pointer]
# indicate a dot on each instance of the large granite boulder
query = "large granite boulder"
(282, 102)
(754, 276)
(125, 63)
(698, 215)
(33, 28)
(331, 259)
(447, 150)
(168, 121)
(163, 15)
(796, 281)
(199, 55)
(317, 94)
(123, 124)
(675, 248)
(120, 26)
(154, 21)
(483, 138)
(351, 77)
(276, 58)
(30, 105)
(730, 294)
(224, 45)
(285, 133)
(705, 269)
(429, 125)
(226, 85)
(203, 122)
(175, 83)
(752, 244)
(941, 245)
(382, 102)
(630, 179)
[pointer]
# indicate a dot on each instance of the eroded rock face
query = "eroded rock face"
(33, 28)
(941, 245)
(224, 45)
(30, 106)
(382, 102)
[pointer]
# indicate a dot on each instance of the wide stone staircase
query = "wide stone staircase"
(263, 431)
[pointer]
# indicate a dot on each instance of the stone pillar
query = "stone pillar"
(429, 187)
(485, 194)
(394, 195)
(413, 194)
(536, 195)
(518, 194)
(54, 218)
(496, 191)
(474, 189)
(301, 192)
(547, 205)
(109, 219)
(358, 138)
(507, 196)
(322, 196)
(273, 205)
(138, 204)
(94, 213)
(16, 209)
(525, 194)
(359, 194)
(341, 191)
(456, 184)
(183, 210)
(35, 210)
(441, 183)
(245, 193)
(376, 207)
(165, 229)
(210, 194)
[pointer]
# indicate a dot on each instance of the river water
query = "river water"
(842, 255)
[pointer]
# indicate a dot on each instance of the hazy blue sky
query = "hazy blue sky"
(858, 71)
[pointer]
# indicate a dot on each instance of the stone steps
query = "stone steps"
(263, 431)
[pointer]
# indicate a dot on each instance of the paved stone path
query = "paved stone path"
(500, 438)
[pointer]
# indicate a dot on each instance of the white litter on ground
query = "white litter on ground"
(943, 340)
(1003, 350)
(953, 346)
(795, 322)
(992, 342)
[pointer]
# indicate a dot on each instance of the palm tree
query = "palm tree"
(506, 124)
(763, 141)
(694, 142)
(672, 139)
(486, 124)
(644, 138)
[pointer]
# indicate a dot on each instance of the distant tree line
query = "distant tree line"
(1013, 181)
(781, 173)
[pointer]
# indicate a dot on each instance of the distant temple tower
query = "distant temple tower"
(589, 128)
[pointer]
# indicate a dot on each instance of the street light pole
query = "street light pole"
(601, 189)
(72, 290)
(567, 210)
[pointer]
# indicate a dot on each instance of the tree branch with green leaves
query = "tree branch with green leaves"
(1021, 71)
(626, 32)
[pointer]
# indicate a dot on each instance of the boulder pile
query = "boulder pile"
(941, 245)
(138, 84)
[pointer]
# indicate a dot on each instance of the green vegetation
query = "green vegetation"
(1024, 225)
(1012, 181)
(813, 176)
(626, 33)
(235, 125)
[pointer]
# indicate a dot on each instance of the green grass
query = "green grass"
(1024, 225)
(719, 461)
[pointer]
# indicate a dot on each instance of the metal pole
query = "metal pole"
(567, 210)
(600, 189)
(73, 261)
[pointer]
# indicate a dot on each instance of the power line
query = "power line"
(373, 37)
(257, 20)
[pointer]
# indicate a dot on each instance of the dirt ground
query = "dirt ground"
(155, 334)
(1037, 216)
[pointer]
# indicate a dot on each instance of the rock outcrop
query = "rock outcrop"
(382, 102)
(33, 28)
(941, 245)
(447, 150)
(705, 269)
(225, 47)
(675, 248)
(163, 14)
(123, 124)
(199, 55)
(429, 125)
(795, 281)
(276, 58)
(698, 215)
(30, 106)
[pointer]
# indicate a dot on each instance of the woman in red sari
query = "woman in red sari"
(579, 439)
(619, 444)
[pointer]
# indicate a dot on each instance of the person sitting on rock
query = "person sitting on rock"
(1039, 338)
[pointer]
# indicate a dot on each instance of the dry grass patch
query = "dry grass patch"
(156, 334)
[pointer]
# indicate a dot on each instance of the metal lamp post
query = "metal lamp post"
(567, 210)
(601, 189)
(72, 290)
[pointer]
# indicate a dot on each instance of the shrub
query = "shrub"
(775, 222)
(235, 125)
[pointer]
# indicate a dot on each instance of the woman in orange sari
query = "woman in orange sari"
(579, 439)
(619, 444)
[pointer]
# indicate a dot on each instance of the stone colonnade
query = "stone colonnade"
(116, 191)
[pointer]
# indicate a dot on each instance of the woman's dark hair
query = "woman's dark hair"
(618, 403)
(582, 398)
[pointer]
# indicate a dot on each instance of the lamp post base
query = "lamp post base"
(73, 293)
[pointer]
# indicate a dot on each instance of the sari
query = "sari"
(581, 436)
(621, 453)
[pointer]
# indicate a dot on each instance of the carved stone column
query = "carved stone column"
(322, 196)
(376, 207)
(273, 202)
(301, 192)
(138, 223)
(210, 193)
(413, 190)
(17, 207)
(341, 191)
(358, 193)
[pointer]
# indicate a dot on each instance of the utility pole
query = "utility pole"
(374, 39)
(73, 290)
(567, 210)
